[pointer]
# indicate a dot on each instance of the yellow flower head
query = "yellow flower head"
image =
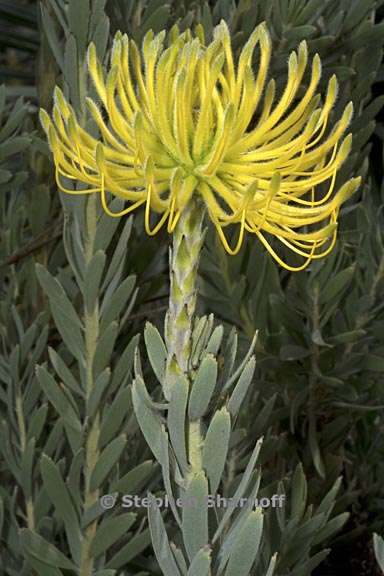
(188, 121)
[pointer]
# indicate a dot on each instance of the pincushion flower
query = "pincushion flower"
(189, 123)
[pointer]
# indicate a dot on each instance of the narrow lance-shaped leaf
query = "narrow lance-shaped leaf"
(215, 447)
(38, 547)
(195, 514)
(202, 388)
(176, 420)
(58, 398)
(241, 387)
(200, 565)
(246, 546)
(148, 420)
(157, 352)
(107, 461)
(160, 541)
(240, 491)
(61, 500)
(110, 531)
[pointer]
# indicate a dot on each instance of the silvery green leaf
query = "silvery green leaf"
(176, 420)
(263, 416)
(356, 13)
(37, 422)
(101, 35)
(241, 489)
(241, 388)
(307, 530)
(95, 511)
(215, 340)
(157, 352)
(74, 250)
(58, 398)
(97, 393)
(58, 9)
(133, 480)
(202, 387)
(63, 372)
(74, 438)
(78, 19)
(298, 493)
(229, 354)
(272, 564)
(165, 468)
(195, 514)
(26, 341)
(156, 20)
(74, 478)
(98, 15)
(160, 541)
(119, 254)
(197, 332)
(246, 545)
(61, 500)
(54, 42)
(308, 566)
(107, 226)
(133, 548)
(236, 527)
(242, 365)
(92, 279)
(107, 460)
(40, 549)
(149, 421)
(328, 502)
(115, 303)
(200, 337)
(180, 560)
(137, 368)
(110, 531)
(41, 568)
(200, 565)
(55, 438)
(105, 348)
(13, 146)
(71, 65)
(331, 527)
(114, 415)
(66, 319)
(215, 447)
(124, 364)
(337, 284)
(314, 447)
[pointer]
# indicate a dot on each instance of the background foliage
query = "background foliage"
(317, 394)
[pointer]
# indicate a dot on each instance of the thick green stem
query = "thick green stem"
(184, 260)
(91, 328)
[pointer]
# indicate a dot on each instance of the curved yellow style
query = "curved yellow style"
(182, 119)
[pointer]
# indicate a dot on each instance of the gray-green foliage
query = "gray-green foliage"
(215, 536)
(66, 412)
(165, 429)
(317, 395)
